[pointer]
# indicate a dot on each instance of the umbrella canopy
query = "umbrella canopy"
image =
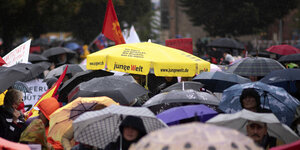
(291, 146)
(214, 68)
(285, 78)
(276, 99)
(72, 46)
(2, 62)
(195, 136)
(166, 100)
(33, 58)
(72, 69)
(255, 66)
(9, 145)
(77, 79)
(219, 81)
(57, 51)
(20, 72)
(226, 43)
(283, 49)
(174, 115)
(239, 120)
(290, 58)
(138, 58)
(185, 85)
(61, 120)
(122, 89)
(99, 128)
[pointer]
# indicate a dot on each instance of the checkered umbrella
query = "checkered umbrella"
(99, 128)
(255, 66)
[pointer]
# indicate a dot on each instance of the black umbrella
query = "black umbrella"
(285, 78)
(79, 78)
(72, 70)
(184, 86)
(20, 72)
(226, 43)
(58, 50)
(122, 89)
(290, 58)
(219, 81)
(34, 58)
(166, 100)
(255, 66)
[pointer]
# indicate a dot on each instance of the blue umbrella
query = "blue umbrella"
(280, 102)
(219, 81)
(285, 78)
(174, 115)
(73, 46)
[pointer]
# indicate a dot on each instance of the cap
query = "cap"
(48, 106)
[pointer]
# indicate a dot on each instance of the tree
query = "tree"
(235, 17)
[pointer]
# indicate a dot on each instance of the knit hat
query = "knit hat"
(48, 106)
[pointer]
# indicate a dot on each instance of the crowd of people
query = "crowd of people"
(15, 125)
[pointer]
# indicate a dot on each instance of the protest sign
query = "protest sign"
(18, 55)
(37, 88)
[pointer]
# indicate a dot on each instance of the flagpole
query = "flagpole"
(94, 40)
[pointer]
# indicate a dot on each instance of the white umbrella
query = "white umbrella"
(99, 128)
(239, 120)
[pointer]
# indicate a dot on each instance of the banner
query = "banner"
(185, 44)
(37, 88)
(18, 55)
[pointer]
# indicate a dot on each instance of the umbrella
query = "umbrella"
(21, 86)
(226, 43)
(174, 115)
(219, 81)
(72, 46)
(99, 128)
(285, 78)
(290, 58)
(195, 136)
(57, 51)
(283, 49)
(9, 145)
(276, 99)
(239, 120)
(291, 146)
(33, 58)
(20, 72)
(61, 120)
(72, 69)
(255, 66)
(214, 68)
(77, 79)
(122, 89)
(185, 85)
(167, 100)
(138, 58)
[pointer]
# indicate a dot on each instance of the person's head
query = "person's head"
(47, 107)
(257, 131)
(132, 128)
(13, 98)
(250, 99)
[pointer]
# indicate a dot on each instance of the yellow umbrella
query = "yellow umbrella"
(138, 58)
(61, 120)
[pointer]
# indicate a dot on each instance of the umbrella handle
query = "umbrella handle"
(146, 85)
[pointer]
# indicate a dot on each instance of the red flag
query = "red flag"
(111, 27)
(2, 62)
(49, 93)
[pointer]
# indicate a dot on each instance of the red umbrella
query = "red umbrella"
(283, 49)
(291, 146)
(2, 62)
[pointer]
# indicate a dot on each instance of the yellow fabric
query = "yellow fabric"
(60, 120)
(138, 58)
(2, 97)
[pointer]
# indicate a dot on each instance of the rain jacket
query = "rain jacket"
(269, 142)
(35, 134)
(129, 121)
(8, 129)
